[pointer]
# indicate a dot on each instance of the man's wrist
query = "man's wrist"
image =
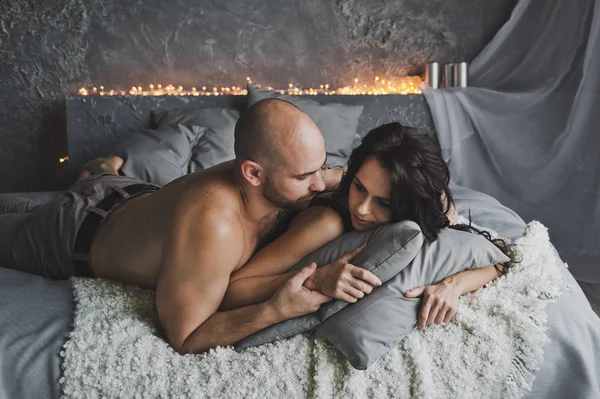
(273, 313)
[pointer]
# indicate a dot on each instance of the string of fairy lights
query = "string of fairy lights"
(402, 85)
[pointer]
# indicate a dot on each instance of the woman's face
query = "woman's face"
(369, 196)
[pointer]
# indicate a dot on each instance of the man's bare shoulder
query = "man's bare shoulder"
(205, 189)
(206, 200)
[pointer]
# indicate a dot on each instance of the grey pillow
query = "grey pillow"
(389, 249)
(487, 211)
(368, 329)
(338, 122)
(216, 144)
(158, 155)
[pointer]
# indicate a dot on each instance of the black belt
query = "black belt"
(92, 221)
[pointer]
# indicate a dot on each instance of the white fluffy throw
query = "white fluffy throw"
(490, 350)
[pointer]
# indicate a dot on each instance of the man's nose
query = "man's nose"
(318, 185)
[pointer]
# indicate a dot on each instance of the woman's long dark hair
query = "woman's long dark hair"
(420, 177)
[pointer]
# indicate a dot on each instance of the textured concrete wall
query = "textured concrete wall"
(50, 48)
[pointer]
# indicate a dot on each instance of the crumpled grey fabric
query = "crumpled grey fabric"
(527, 130)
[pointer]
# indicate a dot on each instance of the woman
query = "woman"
(395, 174)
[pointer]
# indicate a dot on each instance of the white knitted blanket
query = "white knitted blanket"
(490, 350)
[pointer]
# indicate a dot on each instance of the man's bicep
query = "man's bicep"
(192, 282)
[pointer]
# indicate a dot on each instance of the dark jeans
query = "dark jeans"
(39, 238)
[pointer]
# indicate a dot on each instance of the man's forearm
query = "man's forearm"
(252, 290)
(230, 327)
(472, 279)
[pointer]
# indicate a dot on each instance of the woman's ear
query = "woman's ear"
(252, 172)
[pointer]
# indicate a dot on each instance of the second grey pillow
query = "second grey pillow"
(368, 329)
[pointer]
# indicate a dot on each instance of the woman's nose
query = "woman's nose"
(363, 208)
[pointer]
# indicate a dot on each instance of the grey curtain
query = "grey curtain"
(527, 130)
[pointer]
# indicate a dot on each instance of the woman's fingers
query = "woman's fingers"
(424, 314)
(353, 292)
(449, 316)
(364, 275)
(439, 319)
(361, 285)
(432, 314)
(346, 297)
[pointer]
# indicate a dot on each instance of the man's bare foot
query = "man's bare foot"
(96, 166)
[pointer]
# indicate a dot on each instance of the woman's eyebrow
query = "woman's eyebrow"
(363, 186)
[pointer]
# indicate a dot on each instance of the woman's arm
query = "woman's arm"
(473, 279)
(440, 301)
(332, 179)
(260, 278)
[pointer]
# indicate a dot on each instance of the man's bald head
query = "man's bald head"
(270, 130)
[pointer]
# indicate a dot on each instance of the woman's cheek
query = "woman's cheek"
(385, 217)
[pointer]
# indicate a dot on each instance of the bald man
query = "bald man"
(186, 239)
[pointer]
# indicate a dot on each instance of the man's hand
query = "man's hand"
(102, 165)
(342, 280)
(440, 302)
(294, 300)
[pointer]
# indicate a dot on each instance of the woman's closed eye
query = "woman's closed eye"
(381, 202)
(358, 186)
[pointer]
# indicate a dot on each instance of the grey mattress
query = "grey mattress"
(36, 314)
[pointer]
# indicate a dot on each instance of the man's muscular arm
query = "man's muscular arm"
(258, 279)
(198, 260)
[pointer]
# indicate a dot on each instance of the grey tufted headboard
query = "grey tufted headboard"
(95, 122)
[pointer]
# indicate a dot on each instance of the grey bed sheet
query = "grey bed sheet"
(36, 316)
(35, 319)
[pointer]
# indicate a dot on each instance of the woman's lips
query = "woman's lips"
(359, 220)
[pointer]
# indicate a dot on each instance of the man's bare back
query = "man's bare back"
(129, 245)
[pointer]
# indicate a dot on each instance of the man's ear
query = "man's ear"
(252, 172)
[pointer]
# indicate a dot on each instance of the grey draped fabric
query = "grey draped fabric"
(527, 129)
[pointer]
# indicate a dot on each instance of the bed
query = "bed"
(36, 314)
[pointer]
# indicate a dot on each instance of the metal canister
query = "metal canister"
(449, 75)
(432, 74)
(461, 74)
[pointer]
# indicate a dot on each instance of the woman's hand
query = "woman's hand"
(440, 302)
(342, 280)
